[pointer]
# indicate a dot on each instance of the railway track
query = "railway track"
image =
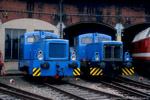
(78, 92)
(6, 97)
(20, 94)
(130, 88)
(135, 83)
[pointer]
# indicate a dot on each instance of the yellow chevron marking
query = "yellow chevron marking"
(39, 74)
(128, 71)
(124, 71)
(92, 71)
(34, 69)
(76, 71)
(91, 68)
(95, 72)
(36, 72)
(132, 67)
(132, 71)
(99, 72)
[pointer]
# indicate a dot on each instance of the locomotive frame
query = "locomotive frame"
(45, 54)
(99, 55)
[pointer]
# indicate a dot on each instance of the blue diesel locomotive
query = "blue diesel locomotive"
(45, 54)
(99, 55)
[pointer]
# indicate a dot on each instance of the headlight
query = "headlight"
(96, 58)
(127, 58)
(40, 57)
(73, 57)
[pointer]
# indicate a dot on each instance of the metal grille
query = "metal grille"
(117, 52)
(57, 50)
(112, 52)
(108, 52)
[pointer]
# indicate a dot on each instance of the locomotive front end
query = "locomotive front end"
(45, 54)
(111, 57)
(116, 63)
(56, 60)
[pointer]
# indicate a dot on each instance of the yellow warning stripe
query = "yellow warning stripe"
(124, 71)
(132, 71)
(95, 71)
(76, 71)
(36, 72)
(99, 72)
(34, 69)
(39, 74)
(92, 71)
(74, 74)
(128, 71)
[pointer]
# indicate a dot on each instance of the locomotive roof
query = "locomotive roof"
(47, 34)
(142, 35)
(94, 33)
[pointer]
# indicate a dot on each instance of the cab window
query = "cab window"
(103, 39)
(31, 39)
(86, 40)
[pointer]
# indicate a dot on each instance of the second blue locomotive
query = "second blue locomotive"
(99, 55)
(45, 54)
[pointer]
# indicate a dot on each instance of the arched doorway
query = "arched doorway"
(11, 31)
(129, 34)
(81, 28)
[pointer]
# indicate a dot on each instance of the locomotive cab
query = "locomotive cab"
(45, 54)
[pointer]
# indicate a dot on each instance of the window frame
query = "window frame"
(19, 33)
(86, 40)
(34, 37)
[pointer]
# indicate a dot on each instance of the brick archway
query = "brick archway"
(87, 27)
(130, 32)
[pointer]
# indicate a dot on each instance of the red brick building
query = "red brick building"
(70, 17)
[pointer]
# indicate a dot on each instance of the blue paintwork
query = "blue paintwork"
(26, 47)
(31, 51)
(127, 54)
(88, 51)
(81, 48)
(91, 53)
(52, 71)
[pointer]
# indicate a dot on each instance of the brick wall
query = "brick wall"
(108, 11)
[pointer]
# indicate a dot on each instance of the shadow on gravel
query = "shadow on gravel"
(41, 80)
